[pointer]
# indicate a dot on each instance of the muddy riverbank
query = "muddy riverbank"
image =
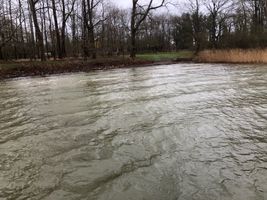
(35, 68)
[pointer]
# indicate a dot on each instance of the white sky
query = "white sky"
(123, 3)
(128, 3)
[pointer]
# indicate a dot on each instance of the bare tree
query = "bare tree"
(67, 9)
(38, 32)
(91, 21)
(194, 6)
(30, 28)
(58, 45)
(7, 29)
(218, 10)
(138, 15)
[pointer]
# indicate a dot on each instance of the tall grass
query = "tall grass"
(233, 56)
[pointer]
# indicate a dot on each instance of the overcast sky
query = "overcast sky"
(128, 3)
(123, 3)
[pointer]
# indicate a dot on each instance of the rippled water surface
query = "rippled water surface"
(180, 132)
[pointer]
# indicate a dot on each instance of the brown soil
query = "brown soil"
(36, 68)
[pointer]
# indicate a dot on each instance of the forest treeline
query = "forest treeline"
(42, 29)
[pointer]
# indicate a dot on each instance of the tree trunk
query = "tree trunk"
(63, 28)
(73, 32)
(63, 39)
(133, 44)
(44, 30)
(1, 53)
(213, 31)
(59, 53)
(21, 29)
(133, 31)
(84, 32)
(92, 43)
(53, 48)
(33, 56)
(91, 33)
(39, 34)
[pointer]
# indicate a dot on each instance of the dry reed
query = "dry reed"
(233, 56)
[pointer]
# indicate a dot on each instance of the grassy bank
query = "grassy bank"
(166, 56)
(233, 56)
(36, 68)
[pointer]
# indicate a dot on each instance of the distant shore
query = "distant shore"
(14, 69)
(37, 68)
(24, 69)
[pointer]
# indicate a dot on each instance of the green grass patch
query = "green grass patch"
(165, 56)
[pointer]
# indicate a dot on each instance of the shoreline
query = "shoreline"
(42, 69)
(17, 69)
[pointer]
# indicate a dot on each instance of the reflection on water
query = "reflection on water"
(167, 132)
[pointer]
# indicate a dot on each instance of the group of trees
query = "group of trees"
(41, 29)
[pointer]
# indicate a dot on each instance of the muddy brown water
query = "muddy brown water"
(176, 132)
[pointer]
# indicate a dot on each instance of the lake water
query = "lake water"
(176, 132)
